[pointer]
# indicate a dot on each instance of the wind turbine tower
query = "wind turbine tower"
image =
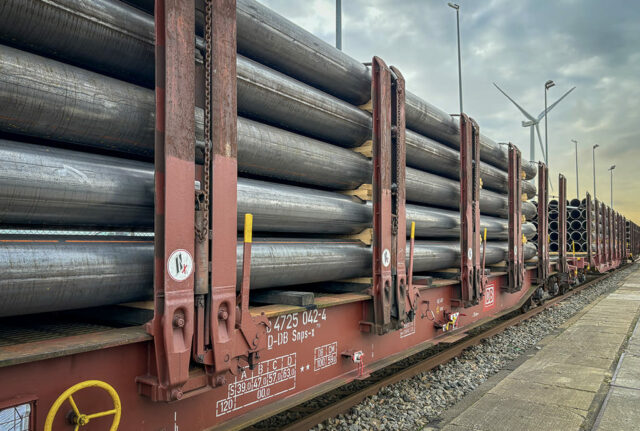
(533, 122)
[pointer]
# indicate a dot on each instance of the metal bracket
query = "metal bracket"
(472, 278)
(389, 216)
(562, 225)
(589, 209)
(515, 260)
(543, 225)
(172, 326)
(597, 218)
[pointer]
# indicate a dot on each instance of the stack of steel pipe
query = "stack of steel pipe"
(77, 118)
(553, 225)
(577, 226)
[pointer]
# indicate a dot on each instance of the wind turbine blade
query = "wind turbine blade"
(555, 103)
(526, 114)
(544, 156)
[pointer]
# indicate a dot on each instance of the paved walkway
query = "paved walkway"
(563, 385)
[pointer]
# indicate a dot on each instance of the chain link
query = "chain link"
(203, 230)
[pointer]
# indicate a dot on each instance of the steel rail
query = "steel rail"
(431, 362)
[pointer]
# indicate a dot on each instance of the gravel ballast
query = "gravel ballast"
(413, 403)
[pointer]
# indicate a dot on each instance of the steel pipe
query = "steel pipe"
(575, 214)
(42, 186)
(101, 35)
(576, 224)
(58, 274)
(432, 190)
(431, 156)
(262, 35)
(48, 111)
(51, 275)
(271, 39)
(51, 100)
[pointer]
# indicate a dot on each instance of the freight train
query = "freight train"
(209, 215)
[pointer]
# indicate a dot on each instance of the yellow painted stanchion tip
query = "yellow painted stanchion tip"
(485, 235)
(413, 230)
(248, 227)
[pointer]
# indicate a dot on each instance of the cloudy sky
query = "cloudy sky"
(593, 45)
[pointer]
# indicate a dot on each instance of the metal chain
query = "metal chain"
(203, 230)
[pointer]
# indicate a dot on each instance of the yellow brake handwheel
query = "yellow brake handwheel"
(81, 419)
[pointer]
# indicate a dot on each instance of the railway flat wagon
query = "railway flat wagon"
(209, 216)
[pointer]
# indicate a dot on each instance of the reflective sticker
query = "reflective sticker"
(386, 257)
(470, 253)
(180, 265)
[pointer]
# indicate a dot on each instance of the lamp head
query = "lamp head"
(454, 6)
(549, 84)
(596, 146)
(612, 167)
(574, 141)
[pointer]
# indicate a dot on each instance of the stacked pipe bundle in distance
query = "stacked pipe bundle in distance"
(298, 124)
(553, 225)
(577, 225)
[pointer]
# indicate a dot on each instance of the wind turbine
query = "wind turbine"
(533, 122)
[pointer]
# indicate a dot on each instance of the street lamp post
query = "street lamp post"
(577, 182)
(611, 170)
(547, 86)
(339, 24)
(457, 8)
(594, 170)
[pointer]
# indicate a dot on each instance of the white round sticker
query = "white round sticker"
(180, 265)
(386, 257)
(515, 250)
(470, 253)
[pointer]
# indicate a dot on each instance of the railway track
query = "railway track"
(394, 373)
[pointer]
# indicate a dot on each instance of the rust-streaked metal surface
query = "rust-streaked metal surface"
(383, 237)
(562, 224)
(471, 274)
(173, 321)
(543, 265)
(515, 262)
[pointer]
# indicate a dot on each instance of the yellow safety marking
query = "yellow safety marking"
(485, 234)
(80, 419)
(413, 230)
(248, 227)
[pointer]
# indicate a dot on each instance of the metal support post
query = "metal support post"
(515, 260)
(389, 219)
(590, 218)
(472, 280)
(173, 321)
(562, 225)
(543, 224)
